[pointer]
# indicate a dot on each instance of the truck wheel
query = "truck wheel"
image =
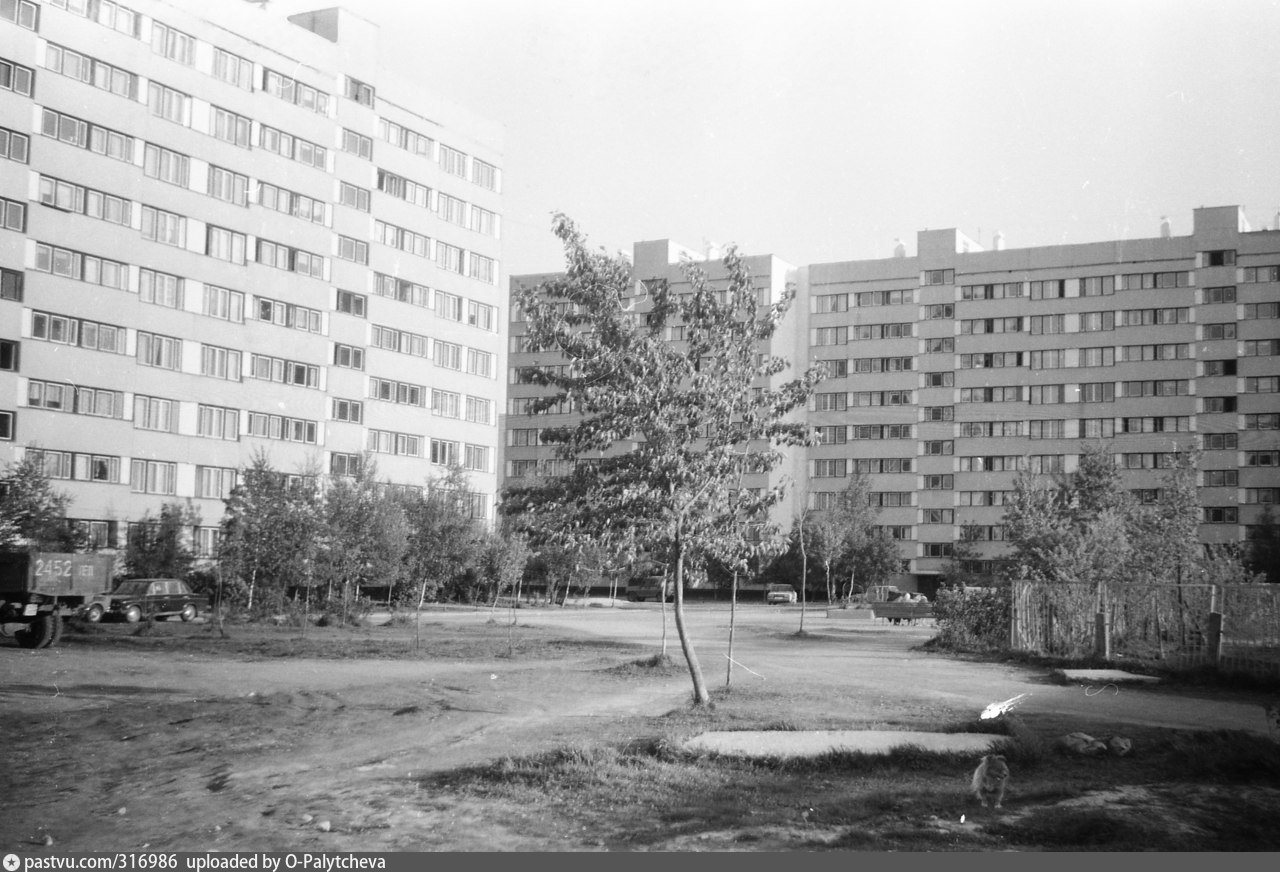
(188, 612)
(57, 630)
(94, 614)
(133, 614)
(37, 634)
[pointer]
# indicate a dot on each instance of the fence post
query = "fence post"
(1214, 638)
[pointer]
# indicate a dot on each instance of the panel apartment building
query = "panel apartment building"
(230, 232)
(953, 368)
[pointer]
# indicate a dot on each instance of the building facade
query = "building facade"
(227, 233)
(953, 368)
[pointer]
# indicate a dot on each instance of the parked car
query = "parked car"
(137, 598)
(780, 593)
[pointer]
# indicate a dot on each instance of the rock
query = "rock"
(48, 840)
(306, 818)
(1082, 744)
(122, 810)
(324, 826)
(1120, 746)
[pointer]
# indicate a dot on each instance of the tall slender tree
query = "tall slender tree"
(664, 428)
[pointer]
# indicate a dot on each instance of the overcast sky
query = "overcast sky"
(819, 130)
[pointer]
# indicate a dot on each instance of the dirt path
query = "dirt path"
(112, 749)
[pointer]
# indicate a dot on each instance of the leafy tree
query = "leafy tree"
(665, 428)
(268, 532)
(1263, 554)
(32, 513)
(867, 556)
(1166, 535)
(159, 546)
(957, 572)
(362, 535)
(442, 539)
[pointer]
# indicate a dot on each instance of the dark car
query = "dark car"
(137, 598)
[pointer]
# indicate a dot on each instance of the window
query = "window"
(280, 427)
(937, 516)
(1254, 311)
(14, 146)
(483, 268)
(153, 477)
(401, 238)
(20, 12)
(453, 161)
(292, 147)
(1262, 422)
(451, 209)
(1219, 295)
(1221, 515)
(351, 304)
(479, 363)
(1097, 428)
(444, 403)
(154, 413)
(167, 228)
(173, 44)
(230, 127)
(233, 69)
(399, 289)
(86, 201)
(160, 289)
(483, 221)
(353, 250)
(939, 447)
(444, 452)
(215, 482)
(990, 325)
(448, 355)
(401, 341)
(1254, 274)
(290, 259)
(75, 331)
(17, 78)
(222, 303)
(355, 143)
(11, 285)
(8, 355)
(939, 379)
(479, 410)
(1262, 384)
(483, 174)
(169, 104)
(940, 311)
(82, 134)
(397, 392)
(1098, 392)
(292, 203)
(227, 185)
(293, 91)
(1222, 442)
(90, 71)
(348, 356)
(164, 352)
(1222, 257)
(78, 399)
(344, 464)
(1261, 347)
(405, 138)
(475, 457)
(1219, 367)
(359, 91)
(1046, 394)
(993, 360)
(1219, 331)
(1046, 464)
(223, 363)
(216, 422)
(165, 165)
(1146, 281)
(353, 196)
(13, 215)
(283, 371)
(1221, 478)
(939, 482)
(480, 315)
(938, 277)
(351, 411)
(939, 413)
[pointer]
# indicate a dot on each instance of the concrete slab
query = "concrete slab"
(1106, 676)
(809, 743)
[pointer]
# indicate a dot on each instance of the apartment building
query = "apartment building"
(227, 232)
(953, 368)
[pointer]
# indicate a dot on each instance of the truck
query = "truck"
(39, 589)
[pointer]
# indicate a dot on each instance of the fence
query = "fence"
(1180, 626)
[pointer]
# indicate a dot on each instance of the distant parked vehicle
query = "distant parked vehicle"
(653, 587)
(776, 594)
(140, 598)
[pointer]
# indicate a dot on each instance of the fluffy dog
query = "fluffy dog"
(990, 778)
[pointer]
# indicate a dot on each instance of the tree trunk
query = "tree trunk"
(700, 695)
(733, 609)
(804, 575)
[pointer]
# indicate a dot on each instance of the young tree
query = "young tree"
(666, 426)
(363, 534)
(1263, 552)
(269, 529)
(159, 546)
(32, 513)
(866, 555)
(442, 541)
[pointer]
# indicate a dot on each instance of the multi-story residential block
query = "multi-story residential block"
(227, 232)
(952, 369)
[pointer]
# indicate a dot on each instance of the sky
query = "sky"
(821, 131)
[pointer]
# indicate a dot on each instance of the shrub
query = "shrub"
(975, 618)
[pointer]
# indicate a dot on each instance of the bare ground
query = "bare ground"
(168, 742)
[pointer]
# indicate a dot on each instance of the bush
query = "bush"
(975, 618)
